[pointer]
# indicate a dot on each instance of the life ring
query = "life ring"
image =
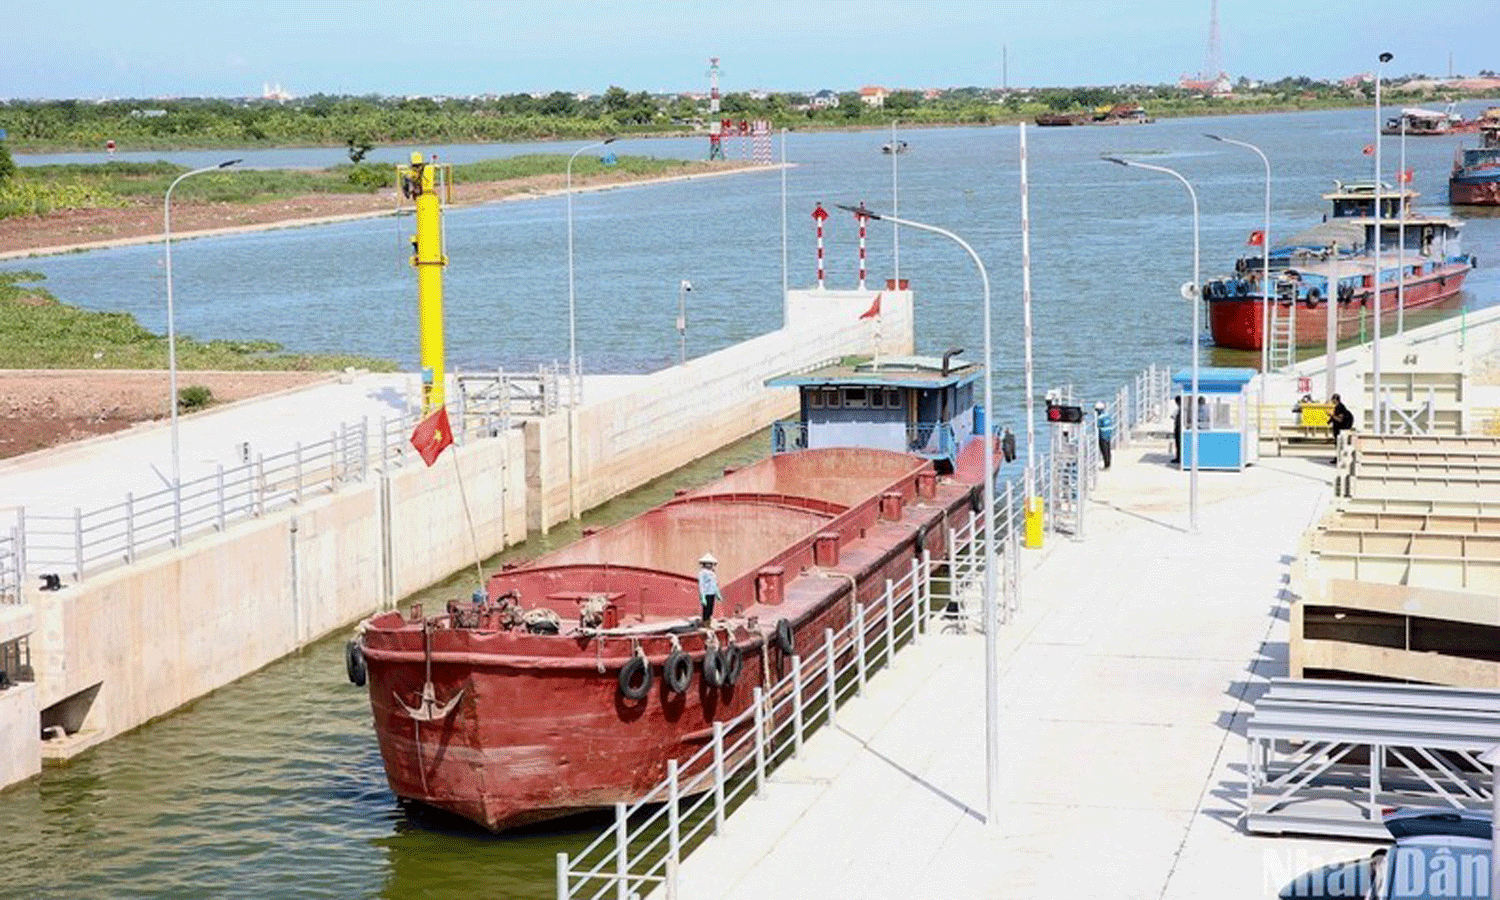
(784, 637)
(635, 678)
(354, 663)
(677, 671)
(732, 662)
(713, 668)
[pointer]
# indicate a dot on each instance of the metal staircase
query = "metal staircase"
(1283, 337)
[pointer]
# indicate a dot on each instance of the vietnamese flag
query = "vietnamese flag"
(1257, 237)
(432, 436)
(1405, 177)
(874, 309)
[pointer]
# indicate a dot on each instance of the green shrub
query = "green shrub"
(368, 177)
(193, 397)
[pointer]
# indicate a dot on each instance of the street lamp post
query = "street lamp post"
(682, 291)
(575, 389)
(1379, 239)
(171, 312)
(1265, 260)
(1192, 293)
(991, 618)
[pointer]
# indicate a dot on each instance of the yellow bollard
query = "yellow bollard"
(1034, 508)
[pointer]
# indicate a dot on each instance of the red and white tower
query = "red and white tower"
(715, 128)
(820, 214)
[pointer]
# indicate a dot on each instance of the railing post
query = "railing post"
(830, 675)
(859, 650)
(916, 597)
(298, 457)
(220, 485)
(759, 700)
(622, 853)
(78, 543)
(258, 499)
(718, 775)
(364, 449)
(1012, 581)
(890, 624)
(796, 704)
(177, 512)
(20, 547)
(130, 526)
(952, 565)
(564, 892)
(674, 824)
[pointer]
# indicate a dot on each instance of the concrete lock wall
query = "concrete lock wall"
(20, 754)
(681, 413)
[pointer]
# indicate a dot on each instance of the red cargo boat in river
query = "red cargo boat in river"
(569, 682)
(1331, 266)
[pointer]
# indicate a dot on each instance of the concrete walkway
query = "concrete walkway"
(1125, 683)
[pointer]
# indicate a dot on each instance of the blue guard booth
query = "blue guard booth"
(1226, 430)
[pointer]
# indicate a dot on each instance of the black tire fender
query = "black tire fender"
(635, 679)
(733, 662)
(354, 663)
(713, 668)
(677, 671)
(785, 639)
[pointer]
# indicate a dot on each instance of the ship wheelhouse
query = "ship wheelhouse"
(920, 405)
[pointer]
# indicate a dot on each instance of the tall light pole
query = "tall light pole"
(166, 232)
(572, 300)
(1192, 293)
(991, 618)
(575, 390)
(682, 290)
(1401, 182)
(1379, 237)
(1265, 261)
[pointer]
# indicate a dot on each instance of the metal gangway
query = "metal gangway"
(1326, 757)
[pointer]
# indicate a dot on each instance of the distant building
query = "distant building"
(275, 92)
(825, 99)
(932, 93)
(873, 96)
(1210, 87)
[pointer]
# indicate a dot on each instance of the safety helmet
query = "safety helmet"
(1099, 405)
(708, 559)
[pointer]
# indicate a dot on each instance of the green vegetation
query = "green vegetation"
(360, 123)
(37, 190)
(37, 331)
(194, 397)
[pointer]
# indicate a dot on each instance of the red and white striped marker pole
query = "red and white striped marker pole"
(861, 220)
(819, 214)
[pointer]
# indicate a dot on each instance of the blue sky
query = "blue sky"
(127, 48)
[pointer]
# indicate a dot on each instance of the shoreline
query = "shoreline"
(311, 221)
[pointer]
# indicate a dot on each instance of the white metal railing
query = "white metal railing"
(645, 845)
(83, 541)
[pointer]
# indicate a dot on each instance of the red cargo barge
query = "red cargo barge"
(570, 681)
(1333, 264)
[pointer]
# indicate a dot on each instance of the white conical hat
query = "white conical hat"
(708, 559)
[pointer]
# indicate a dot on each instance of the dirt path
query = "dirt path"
(76, 229)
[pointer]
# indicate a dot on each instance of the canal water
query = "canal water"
(272, 787)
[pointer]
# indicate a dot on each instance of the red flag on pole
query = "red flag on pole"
(874, 309)
(1405, 177)
(1369, 150)
(1257, 237)
(432, 436)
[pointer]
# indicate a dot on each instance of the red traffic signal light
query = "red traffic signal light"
(1062, 415)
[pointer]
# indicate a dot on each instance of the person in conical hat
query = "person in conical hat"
(708, 586)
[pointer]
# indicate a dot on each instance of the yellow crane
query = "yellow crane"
(421, 183)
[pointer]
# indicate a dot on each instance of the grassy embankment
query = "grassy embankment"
(38, 331)
(38, 190)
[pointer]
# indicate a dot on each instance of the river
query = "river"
(272, 787)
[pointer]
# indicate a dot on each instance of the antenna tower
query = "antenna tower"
(1212, 65)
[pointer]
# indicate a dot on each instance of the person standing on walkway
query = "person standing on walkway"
(1177, 429)
(708, 586)
(1106, 425)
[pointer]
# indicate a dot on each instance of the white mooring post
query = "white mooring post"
(916, 598)
(563, 893)
(674, 827)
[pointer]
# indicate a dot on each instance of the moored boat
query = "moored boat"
(1331, 266)
(1476, 170)
(568, 683)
